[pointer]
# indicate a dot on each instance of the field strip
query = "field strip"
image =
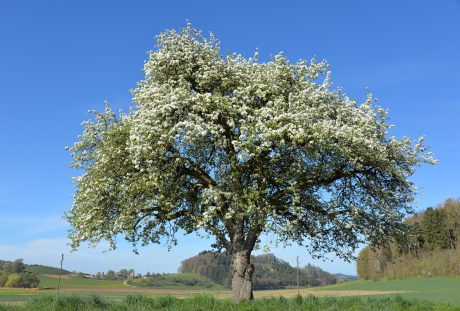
(337, 293)
(56, 276)
(142, 290)
(228, 293)
(323, 293)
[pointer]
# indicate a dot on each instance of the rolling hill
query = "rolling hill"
(270, 272)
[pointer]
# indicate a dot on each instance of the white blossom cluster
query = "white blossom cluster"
(237, 147)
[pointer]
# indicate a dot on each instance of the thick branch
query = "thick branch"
(228, 139)
(259, 218)
(317, 182)
(200, 175)
(162, 217)
(253, 235)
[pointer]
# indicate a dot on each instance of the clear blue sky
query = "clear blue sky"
(58, 59)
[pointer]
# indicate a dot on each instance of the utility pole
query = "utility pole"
(60, 273)
(298, 290)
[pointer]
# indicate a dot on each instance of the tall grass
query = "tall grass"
(205, 303)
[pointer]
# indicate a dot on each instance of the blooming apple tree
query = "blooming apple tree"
(235, 148)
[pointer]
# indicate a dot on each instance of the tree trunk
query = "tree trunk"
(242, 270)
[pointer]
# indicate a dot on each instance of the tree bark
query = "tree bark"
(242, 271)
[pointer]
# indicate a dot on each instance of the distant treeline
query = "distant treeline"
(14, 274)
(433, 248)
(270, 272)
(122, 274)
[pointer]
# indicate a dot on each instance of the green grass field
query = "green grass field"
(432, 289)
(48, 281)
(85, 287)
(414, 292)
(208, 303)
(175, 284)
(177, 281)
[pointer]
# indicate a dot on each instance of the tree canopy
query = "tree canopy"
(233, 147)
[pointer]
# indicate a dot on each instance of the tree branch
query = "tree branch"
(317, 182)
(201, 175)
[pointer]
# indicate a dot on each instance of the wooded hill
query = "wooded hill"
(270, 272)
(433, 248)
(6, 265)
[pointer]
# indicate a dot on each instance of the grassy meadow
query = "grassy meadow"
(176, 281)
(92, 294)
(168, 284)
(206, 303)
(51, 281)
(433, 289)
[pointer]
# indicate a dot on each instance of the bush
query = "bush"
(26, 280)
(3, 279)
(15, 280)
(30, 280)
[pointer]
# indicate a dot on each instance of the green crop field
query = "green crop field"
(177, 281)
(432, 289)
(179, 285)
(51, 281)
